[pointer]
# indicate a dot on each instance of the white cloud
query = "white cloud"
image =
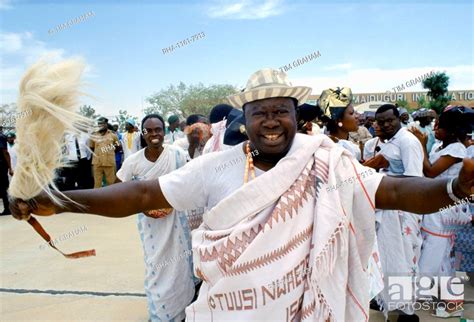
(10, 80)
(5, 4)
(339, 67)
(11, 42)
(90, 72)
(246, 9)
(20, 50)
(374, 80)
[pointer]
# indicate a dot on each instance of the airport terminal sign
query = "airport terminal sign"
(462, 97)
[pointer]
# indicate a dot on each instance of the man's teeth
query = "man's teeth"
(155, 141)
(272, 137)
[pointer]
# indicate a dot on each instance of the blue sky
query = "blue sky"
(370, 46)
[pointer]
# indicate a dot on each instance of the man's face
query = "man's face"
(369, 122)
(388, 122)
(102, 126)
(174, 125)
(129, 127)
(424, 121)
(271, 124)
(404, 118)
(10, 139)
(153, 132)
(115, 127)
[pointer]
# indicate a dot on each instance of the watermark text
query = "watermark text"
(183, 43)
(350, 180)
(13, 118)
(64, 237)
(233, 162)
(71, 22)
(301, 61)
(412, 82)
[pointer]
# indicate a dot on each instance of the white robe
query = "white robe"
(439, 229)
(169, 281)
(398, 232)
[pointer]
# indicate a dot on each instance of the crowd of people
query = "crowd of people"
(247, 181)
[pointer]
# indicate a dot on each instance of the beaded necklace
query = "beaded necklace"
(249, 164)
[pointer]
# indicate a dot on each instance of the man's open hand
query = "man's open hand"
(423, 138)
(41, 205)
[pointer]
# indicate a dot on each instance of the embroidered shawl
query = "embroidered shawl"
(284, 246)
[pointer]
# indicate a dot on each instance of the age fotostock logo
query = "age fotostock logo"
(409, 288)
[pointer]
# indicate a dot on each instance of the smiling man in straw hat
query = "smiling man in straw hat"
(274, 217)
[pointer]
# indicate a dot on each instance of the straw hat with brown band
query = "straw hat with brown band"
(269, 83)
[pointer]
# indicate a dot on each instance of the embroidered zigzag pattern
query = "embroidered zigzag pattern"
(229, 247)
(307, 185)
(274, 255)
(322, 174)
(229, 251)
(227, 257)
(308, 310)
(322, 169)
(194, 222)
(214, 238)
(292, 199)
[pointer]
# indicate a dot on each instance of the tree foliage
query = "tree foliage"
(406, 105)
(88, 111)
(423, 103)
(122, 118)
(402, 103)
(7, 115)
(437, 86)
(185, 100)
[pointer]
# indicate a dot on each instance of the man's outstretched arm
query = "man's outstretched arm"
(116, 201)
(423, 195)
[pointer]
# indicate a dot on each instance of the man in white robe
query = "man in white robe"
(173, 132)
(398, 232)
(130, 139)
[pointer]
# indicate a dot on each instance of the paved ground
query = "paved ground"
(38, 284)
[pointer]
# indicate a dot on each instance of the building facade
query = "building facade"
(461, 97)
